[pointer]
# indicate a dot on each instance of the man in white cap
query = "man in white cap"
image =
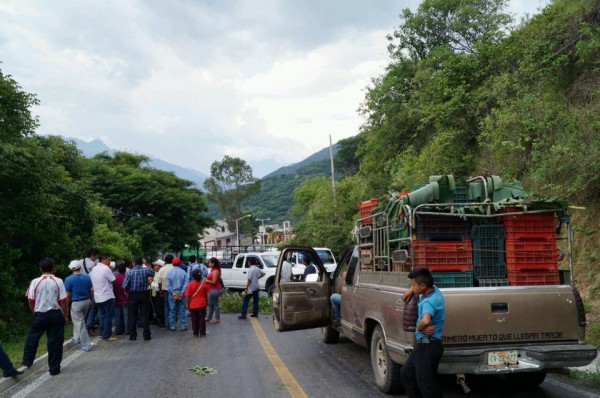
(80, 293)
(156, 300)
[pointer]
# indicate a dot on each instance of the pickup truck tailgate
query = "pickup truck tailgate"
(478, 316)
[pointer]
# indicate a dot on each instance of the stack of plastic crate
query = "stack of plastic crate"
(489, 265)
(365, 210)
(444, 246)
(531, 253)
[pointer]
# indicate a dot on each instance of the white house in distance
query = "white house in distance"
(219, 236)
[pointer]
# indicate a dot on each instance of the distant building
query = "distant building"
(219, 236)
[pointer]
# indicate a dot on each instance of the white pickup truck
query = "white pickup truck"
(295, 257)
(236, 277)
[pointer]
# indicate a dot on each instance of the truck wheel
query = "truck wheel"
(330, 335)
(526, 380)
(270, 289)
(386, 371)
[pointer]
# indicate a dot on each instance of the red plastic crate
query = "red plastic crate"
(365, 210)
(531, 255)
(529, 226)
(533, 278)
(443, 255)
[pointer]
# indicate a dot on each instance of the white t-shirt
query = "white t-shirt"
(46, 291)
(102, 278)
(286, 272)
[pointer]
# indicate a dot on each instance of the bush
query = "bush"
(231, 302)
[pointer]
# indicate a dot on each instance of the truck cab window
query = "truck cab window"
(240, 262)
(352, 266)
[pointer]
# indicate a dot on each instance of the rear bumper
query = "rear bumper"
(532, 358)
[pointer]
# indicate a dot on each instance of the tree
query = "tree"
(318, 222)
(43, 204)
(162, 209)
(458, 24)
(230, 184)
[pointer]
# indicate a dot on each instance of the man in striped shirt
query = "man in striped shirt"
(136, 286)
(48, 301)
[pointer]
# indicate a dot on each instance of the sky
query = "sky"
(190, 81)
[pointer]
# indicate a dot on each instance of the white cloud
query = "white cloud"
(190, 82)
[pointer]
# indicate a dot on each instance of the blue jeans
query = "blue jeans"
(336, 300)
(53, 323)
(106, 312)
(121, 319)
(177, 308)
(213, 304)
(254, 297)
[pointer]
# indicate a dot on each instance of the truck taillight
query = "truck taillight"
(580, 308)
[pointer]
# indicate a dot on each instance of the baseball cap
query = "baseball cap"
(176, 261)
(75, 265)
(160, 263)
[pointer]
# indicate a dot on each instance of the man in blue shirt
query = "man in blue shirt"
(196, 265)
(310, 267)
(136, 286)
(176, 282)
(419, 373)
(80, 293)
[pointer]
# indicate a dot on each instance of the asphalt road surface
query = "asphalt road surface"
(251, 360)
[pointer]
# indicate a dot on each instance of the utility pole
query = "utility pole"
(237, 229)
(332, 170)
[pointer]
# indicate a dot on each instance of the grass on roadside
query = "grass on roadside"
(231, 302)
(592, 335)
(589, 378)
(14, 347)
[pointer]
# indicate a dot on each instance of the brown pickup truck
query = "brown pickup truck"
(522, 332)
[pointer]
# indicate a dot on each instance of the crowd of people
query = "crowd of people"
(112, 298)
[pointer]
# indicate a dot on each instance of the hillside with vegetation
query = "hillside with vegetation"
(466, 92)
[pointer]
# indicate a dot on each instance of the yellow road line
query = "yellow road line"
(283, 372)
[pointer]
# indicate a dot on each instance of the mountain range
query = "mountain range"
(92, 148)
(276, 196)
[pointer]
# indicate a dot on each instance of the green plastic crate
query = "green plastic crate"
(453, 279)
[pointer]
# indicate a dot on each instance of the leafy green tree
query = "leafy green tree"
(164, 211)
(230, 184)
(44, 209)
(318, 222)
(458, 24)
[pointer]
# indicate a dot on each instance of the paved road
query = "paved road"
(288, 364)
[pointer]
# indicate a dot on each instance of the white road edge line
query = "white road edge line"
(43, 378)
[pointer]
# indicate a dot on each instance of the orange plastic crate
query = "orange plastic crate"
(365, 210)
(533, 278)
(443, 255)
(531, 255)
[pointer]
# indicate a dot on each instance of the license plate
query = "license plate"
(502, 358)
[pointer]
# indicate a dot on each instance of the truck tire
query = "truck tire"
(526, 380)
(386, 371)
(330, 334)
(270, 288)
